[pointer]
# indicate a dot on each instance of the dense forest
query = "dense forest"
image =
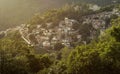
(100, 55)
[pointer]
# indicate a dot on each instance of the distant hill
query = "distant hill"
(101, 2)
(15, 12)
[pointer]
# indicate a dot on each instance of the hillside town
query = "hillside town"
(48, 37)
(66, 33)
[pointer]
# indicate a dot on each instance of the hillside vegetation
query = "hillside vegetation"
(101, 55)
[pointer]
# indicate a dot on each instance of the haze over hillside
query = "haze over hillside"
(15, 12)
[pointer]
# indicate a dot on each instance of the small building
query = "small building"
(46, 44)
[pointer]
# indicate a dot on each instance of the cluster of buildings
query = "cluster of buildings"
(8, 31)
(64, 33)
(100, 21)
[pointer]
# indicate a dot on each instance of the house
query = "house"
(66, 42)
(94, 7)
(38, 26)
(46, 44)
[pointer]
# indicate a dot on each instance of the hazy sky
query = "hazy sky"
(14, 12)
